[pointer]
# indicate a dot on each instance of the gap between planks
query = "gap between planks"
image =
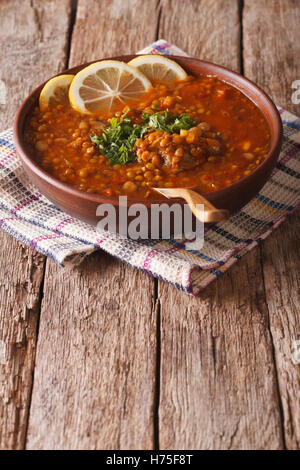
(156, 302)
(156, 297)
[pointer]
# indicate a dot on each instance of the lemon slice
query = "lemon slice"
(105, 85)
(158, 67)
(55, 92)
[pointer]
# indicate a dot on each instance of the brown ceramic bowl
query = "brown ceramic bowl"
(83, 205)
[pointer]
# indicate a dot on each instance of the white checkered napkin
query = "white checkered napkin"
(31, 218)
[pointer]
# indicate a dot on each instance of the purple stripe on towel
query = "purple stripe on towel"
(20, 206)
(36, 240)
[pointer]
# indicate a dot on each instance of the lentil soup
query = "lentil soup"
(222, 138)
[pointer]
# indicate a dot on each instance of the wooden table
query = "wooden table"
(104, 356)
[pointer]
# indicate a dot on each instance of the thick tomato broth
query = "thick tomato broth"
(229, 140)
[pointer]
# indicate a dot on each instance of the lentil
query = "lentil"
(229, 140)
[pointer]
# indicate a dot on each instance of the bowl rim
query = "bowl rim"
(22, 149)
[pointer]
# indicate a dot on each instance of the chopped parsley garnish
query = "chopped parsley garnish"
(119, 137)
(165, 121)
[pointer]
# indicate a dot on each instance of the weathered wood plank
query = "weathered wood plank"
(34, 36)
(112, 27)
(276, 25)
(271, 49)
(21, 277)
(95, 368)
(218, 380)
(193, 27)
(32, 48)
(280, 262)
(218, 387)
(95, 362)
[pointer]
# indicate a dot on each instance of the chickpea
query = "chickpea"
(83, 125)
(41, 146)
(164, 142)
(151, 137)
(139, 178)
(83, 172)
(145, 156)
(150, 166)
(177, 139)
(248, 156)
(179, 152)
(157, 177)
(130, 174)
(196, 130)
(156, 160)
(61, 140)
(129, 187)
(90, 151)
(148, 175)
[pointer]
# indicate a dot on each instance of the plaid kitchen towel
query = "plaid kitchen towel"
(31, 218)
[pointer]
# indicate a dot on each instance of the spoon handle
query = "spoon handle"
(210, 212)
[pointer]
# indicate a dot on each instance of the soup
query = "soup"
(197, 132)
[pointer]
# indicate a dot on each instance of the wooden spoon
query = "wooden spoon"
(209, 214)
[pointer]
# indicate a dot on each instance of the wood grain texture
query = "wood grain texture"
(29, 33)
(218, 377)
(94, 384)
(218, 387)
(95, 363)
(277, 25)
(34, 39)
(21, 277)
(280, 262)
(272, 48)
(112, 27)
(204, 29)
(227, 379)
